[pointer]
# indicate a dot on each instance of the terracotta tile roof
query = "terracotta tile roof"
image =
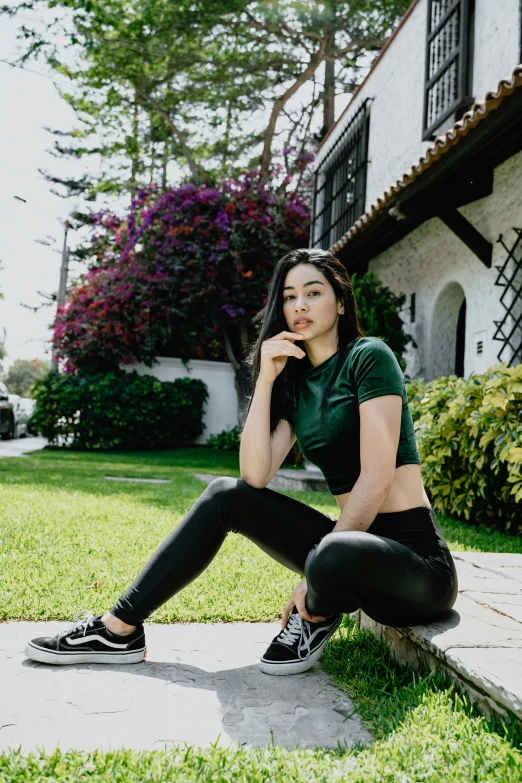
(441, 145)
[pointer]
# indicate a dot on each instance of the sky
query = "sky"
(31, 102)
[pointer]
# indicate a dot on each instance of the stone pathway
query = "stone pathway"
(17, 446)
(138, 480)
(479, 643)
(200, 683)
(287, 478)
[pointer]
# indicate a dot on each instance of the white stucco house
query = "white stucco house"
(420, 181)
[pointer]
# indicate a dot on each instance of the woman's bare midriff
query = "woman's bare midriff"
(407, 491)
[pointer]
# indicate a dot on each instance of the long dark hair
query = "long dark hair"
(273, 322)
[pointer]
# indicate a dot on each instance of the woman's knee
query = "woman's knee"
(222, 483)
(225, 487)
(337, 554)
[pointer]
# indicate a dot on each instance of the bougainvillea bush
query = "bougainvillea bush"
(183, 268)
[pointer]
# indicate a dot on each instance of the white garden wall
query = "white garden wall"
(221, 409)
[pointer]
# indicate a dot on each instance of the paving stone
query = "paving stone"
(492, 559)
(311, 480)
(495, 670)
(469, 624)
(138, 480)
(200, 684)
(512, 572)
(506, 565)
(19, 446)
(487, 580)
(511, 605)
(479, 642)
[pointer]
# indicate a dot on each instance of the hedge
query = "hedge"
(118, 410)
(469, 434)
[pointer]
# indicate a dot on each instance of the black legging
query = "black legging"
(400, 571)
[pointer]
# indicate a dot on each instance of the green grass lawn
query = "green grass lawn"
(70, 540)
(63, 528)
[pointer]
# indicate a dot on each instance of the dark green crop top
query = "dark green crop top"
(370, 369)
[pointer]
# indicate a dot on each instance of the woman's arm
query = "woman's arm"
(255, 450)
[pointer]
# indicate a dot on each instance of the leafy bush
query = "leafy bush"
(227, 440)
(469, 433)
(379, 313)
(118, 410)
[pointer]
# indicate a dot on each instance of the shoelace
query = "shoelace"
(83, 623)
(297, 627)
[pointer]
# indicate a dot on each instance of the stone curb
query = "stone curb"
(479, 643)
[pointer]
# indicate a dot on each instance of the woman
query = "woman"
(316, 377)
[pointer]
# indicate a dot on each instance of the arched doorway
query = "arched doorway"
(448, 333)
(461, 340)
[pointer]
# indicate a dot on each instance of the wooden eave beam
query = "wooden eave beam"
(497, 138)
(467, 232)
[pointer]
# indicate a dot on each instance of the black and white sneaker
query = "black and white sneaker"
(298, 646)
(88, 641)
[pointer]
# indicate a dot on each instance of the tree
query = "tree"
(182, 275)
(160, 81)
(2, 341)
(23, 373)
(3, 353)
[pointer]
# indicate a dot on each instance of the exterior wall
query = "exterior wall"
(221, 409)
(497, 43)
(396, 87)
(441, 270)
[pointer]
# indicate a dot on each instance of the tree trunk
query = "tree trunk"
(136, 142)
(328, 96)
(198, 173)
(164, 164)
(241, 371)
(329, 74)
(152, 162)
(315, 61)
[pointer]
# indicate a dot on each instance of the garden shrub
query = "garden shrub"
(226, 440)
(118, 410)
(469, 434)
(379, 314)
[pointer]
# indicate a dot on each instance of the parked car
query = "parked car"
(20, 416)
(7, 414)
(29, 406)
